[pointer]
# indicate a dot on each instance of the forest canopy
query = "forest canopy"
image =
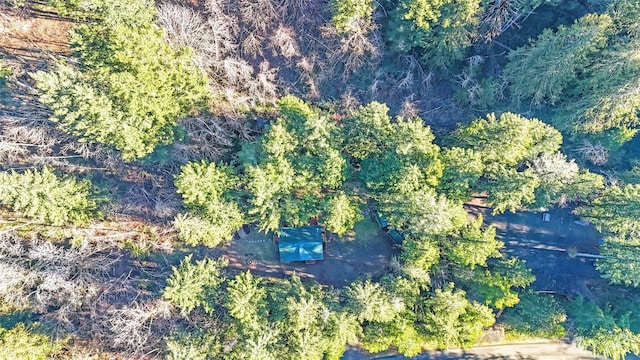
(150, 152)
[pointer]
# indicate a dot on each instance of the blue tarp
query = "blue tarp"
(300, 244)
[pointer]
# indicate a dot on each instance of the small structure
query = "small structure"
(300, 244)
(392, 233)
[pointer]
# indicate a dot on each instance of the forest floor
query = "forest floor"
(31, 34)
(364, 252)
(546, 247)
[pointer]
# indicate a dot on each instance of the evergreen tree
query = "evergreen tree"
(348, 14)
(496, 287)
(343, 328)
(208, 191)
(536, 315)
(419, 255)
(298, 167)
(600, 330)
(342, 214)
(616, 211)
(246, 301)
(372, 303)
(422, 214)
(472, 245)
(620, 262)
(367, 132)
(450, 320)
(131, 86)
(510, 189)
(22, 343)
(193, 285)
(43, 196)
(562, 181)
(462, 171)
(542, 70)
(191, 345)
(508, 139)
(441, 29)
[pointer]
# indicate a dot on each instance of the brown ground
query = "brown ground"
(545, 247)
(361, 253)
(29, 33)
(551, 350)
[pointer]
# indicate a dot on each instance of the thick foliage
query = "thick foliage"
(342, 214)
(131, 85)
(441, 29)
(496, 286)
(43, 196)
(620, 262)
(472, 245)
(22, 343)
(192, 345)
(462, 171)
(423, 214)
(371, 302)
(193, 285)
(508, 139)
(616, 210)
(246, 301)
(207, 191)
(298, 166)
(562, 181)
(347, 14)
(536, 315)
(407, 162)
(601, 330)
(544, 68)
(452, 320)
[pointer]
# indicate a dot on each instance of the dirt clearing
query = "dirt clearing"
(548, 247)
(363, 252)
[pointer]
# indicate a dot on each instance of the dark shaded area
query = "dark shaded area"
(548, 247)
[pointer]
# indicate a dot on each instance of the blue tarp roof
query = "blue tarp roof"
(300, 243)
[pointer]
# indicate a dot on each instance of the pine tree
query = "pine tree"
(46, 197)
(208, 192)
(193, 285)
(130, 87)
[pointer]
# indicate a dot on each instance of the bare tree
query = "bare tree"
(48, 277)
(596, 154)
(211, 39)
(209, 137)
(223, 39)
(252, 45)
(500, 15)
(264, 88)
(283, 42)
(132, 326)
(357, 47)
(307, 65)
(409, 109)
(295, 11)
(257, 14)
(237, 72)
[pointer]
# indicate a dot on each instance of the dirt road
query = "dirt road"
(540, 351)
